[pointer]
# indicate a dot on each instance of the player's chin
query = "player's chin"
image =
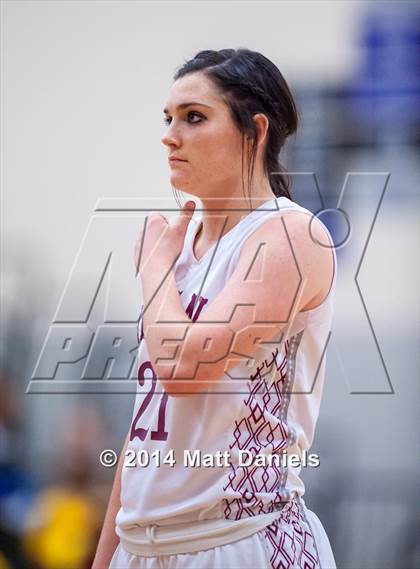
(180, 181)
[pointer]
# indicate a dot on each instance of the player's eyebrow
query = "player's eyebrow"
(184, 105)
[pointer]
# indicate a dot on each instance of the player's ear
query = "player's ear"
(262, 124)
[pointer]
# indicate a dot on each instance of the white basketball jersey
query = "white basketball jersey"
(267, 406)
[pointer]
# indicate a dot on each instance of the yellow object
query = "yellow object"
(4, 564)
(65, 527)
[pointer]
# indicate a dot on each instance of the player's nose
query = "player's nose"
(171, 138)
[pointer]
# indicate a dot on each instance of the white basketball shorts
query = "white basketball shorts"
(297, 540)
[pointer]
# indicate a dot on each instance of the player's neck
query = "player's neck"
(220, 216)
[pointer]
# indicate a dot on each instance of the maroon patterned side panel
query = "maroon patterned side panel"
(289, 540)
(262, 429)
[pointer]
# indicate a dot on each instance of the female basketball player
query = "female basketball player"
(236, 315)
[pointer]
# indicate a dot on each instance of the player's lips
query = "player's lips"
(176, 159)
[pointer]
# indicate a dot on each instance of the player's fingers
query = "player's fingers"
(185, 216)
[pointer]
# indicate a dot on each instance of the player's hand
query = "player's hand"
(160, 243)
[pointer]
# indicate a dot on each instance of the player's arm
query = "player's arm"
(108, 540)
(281, 270)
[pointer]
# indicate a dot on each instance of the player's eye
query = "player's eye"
(190, 115)
(193, 114)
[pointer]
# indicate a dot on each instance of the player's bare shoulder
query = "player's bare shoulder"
(297, 249)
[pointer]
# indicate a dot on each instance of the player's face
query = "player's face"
(204, 136)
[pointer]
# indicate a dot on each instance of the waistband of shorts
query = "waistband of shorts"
(155, 540)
